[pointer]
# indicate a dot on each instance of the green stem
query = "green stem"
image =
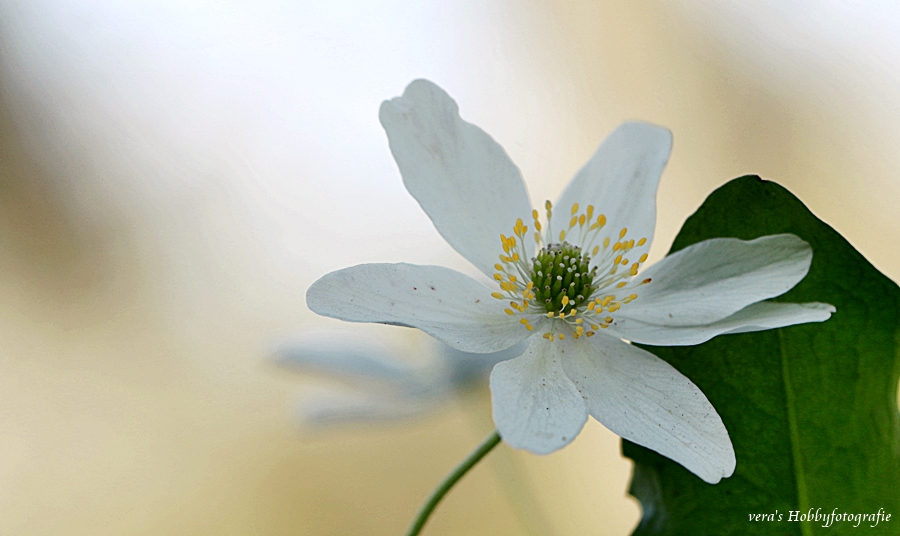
(450, 480)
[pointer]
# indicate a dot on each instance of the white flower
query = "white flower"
(576, 363)
(377, 384)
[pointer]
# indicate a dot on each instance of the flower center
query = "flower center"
(563, 279)
(564, 283)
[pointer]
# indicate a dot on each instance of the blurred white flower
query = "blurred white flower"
(377, 384)
(569, 285)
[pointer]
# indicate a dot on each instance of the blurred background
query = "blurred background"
(174, 175)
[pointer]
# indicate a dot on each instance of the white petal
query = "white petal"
(756, 317)
(461, 177)
(466, 368)
(449, 306)
(536, 407)
(710, 280)
(345, 355)
(645, 400)
(322, 407)
(621, 179)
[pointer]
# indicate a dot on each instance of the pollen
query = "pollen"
(574, 276)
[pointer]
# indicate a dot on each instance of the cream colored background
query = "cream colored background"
(175, 175)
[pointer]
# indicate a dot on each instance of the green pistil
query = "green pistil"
(562, 270)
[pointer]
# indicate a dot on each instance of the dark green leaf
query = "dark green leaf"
(811, 409)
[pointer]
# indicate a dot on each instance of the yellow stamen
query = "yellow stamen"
(508, 311)
(642, 241)
(574, 208)
(623, 232)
